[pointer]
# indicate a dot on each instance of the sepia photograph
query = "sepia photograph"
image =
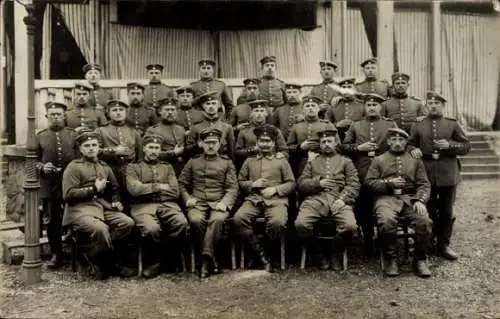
(250, 159)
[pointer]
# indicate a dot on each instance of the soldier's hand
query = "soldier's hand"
(100, 184)
(269, 192)
(419, 208)
(344, 123)
(309, 145)
(117, 206)
(186, 133)
(416, 153)
(163, 187)
(191, 202)
(221, 207)
(299, 118)
(366, 147)
(442, 144)
(121, 150)
(324, 107)
(327, 183)
(338, 204)
(260, 183)
(280, 155)
(178, 150)
(48, 168)
(398, 182)
(241, 126)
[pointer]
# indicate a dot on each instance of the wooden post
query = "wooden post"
(32, 265)
(385, 38)
(21, 72)
(436, 46)
(338, 44)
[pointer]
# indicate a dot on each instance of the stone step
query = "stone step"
(482, 152)
(479, 175)
(469, 159)
(479, 145)
(477, 137)
(484, 168)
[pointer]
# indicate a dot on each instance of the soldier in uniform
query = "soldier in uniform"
(55, 149)
(402, 108)
(438, 140)
(210, 104)
(347, 109)
(85, 183)
(173, 135)
(289, 114)
(363, 141)
(266, 182)
(371, 83)
(187, 114)
(246, 144)
(139, 116)
(240, 115)
(271, 88)
(330, 186)
(208, 83)
(401, 189)
(120, 144)
(84, 114)
(209, 189)
(155, 90)
(154, 191)
(99, 97)
(324, 90)
(302, 140)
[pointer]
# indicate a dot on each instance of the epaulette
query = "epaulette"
(420, 118)
(450, 118)
(324, 121)
(280, 80)
(151, 108)
(415, 98)
(357, 83)
(191, 83)
(156, 125)
(224, 156)
(197, 155)
(384, 80)
(78, 160)
(387, 119)
(244, 126)
(217, 80)
(41, 131)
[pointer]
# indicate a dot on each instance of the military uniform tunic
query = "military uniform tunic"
(99, 97)
(272, 90)
(113, 135)
(227, 140)
(403, 110)
(324, 91)
(352, 110)
(286, 116)
(380, 87)
(156, 91)
(173, 135)
(187, 117)
(207, 85)
(141, 118)
(394, 205)
(247, 141)
(87, 116)
(209, 180)
(318, 201)
(154, 210)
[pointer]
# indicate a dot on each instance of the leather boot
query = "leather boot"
(392, 269)
(204, 273)
(259, 252)
(151, 271)
(421, 269)
(55, 262)
(98, 266)
(444, 241)
(446, 252)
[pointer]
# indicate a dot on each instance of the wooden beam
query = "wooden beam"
(436, 46)
(385, 38)
(21, 72)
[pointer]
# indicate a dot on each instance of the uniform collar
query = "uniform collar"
(327, 81)
(206, 79)
(186, 108)
(208, 118)
(155, 82)
(164, 122)
(118, 124)
(397, 153)
(152, 162)
(269, 77)
(136, 106)
(79, 106)
(90, 160)
(348, 99)
(270, 156)
(400, 95)
(211, 157)
(370, 79)
(56, 129)
(373, 119)
(314, 120)
(96, 86)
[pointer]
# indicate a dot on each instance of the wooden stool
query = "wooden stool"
(261, 221)
(403, 232)
(140, 261)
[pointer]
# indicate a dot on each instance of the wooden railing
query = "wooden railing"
(62, 90)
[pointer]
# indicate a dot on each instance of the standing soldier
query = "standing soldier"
(324, 90)
(438, 140)
(401, 189)
(347, 109)
(330, 186)
(266, 181)
(120, 144)
(302, 140)
(289, 114)
(402, 108)
(84, 114)
(173, 135)
(246, 144)
(156, 90)
(240, 115)
(208, 83)
(55, 149)
(210, 104)
(209, 189)
(372, 84)
(363, 141)
(99, 97)
(271, 88)
(85, 183)
(139, 116)
(154, 192)
(187, 114)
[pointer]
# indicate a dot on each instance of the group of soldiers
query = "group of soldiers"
(178, 164)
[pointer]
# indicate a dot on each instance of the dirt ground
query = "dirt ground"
(467, 288)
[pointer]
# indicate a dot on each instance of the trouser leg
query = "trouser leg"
(364, 216)
(422, 226)
(54, 229)
(387, 225)
(214, 232)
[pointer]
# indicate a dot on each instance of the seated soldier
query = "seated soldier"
(401, 190)
(266, 181)
(330, 185)
(85, 182)
(209, 188)
(154, 190)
